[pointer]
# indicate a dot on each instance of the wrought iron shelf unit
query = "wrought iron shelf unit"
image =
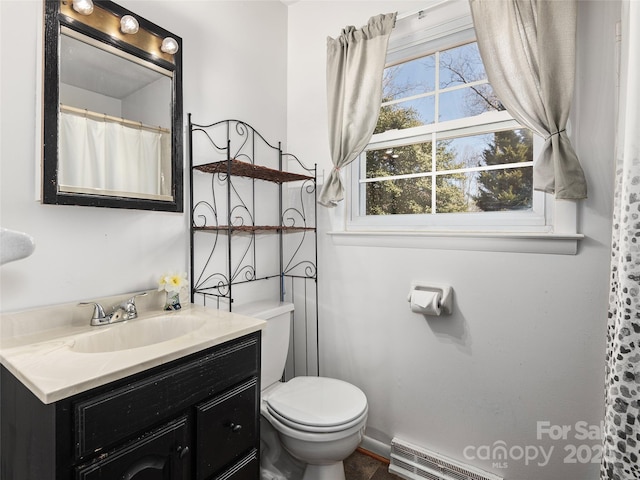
(252, 228)
(244, 211)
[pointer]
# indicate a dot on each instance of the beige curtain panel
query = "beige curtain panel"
(355, 63)
(528, 50)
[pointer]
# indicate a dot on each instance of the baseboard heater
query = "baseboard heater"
(417, 463)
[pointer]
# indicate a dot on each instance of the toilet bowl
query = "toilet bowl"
(319, 421)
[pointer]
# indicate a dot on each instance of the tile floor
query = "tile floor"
(360, 466)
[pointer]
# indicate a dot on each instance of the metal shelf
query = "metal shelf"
(248, 229)
(252, 229)
(238, 168)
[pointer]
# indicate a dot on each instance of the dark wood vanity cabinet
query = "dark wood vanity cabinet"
(159, 455)
(194, 418)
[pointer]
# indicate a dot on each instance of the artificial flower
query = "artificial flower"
(172, 282)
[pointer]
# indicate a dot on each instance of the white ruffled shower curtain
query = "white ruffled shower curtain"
(108, 156)
(621, 453)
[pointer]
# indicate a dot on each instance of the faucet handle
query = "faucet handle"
(141, 294)
(130, 305)
(99, 317)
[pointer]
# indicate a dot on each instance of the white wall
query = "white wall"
(527, 337)
(143, 105)
(234, 56)
(96, 102)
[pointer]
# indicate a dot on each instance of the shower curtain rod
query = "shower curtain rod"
(420, 12)
(102, 116)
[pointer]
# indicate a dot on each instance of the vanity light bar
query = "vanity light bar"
(121, 28)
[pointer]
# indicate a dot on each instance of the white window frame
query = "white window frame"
(550, 220)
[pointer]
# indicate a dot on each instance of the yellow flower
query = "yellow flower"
(172, 282)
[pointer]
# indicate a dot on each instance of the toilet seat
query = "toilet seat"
(316, 429)
(317, 404)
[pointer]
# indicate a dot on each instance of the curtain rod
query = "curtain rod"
(102, 116)
(420, 12)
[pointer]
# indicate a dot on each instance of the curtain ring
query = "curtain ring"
(555, 133)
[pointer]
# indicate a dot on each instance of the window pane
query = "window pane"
(461, 65)
(457, 193)
(486, 191)
(399, 160)
(452, 193)
(397, 197)
(499, 148)
(511, 146)
(505, 189)
(447, 157)
(467, 151)
(409, 78)
(467, 102)
(411, 113)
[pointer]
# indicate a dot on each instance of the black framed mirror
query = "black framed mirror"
(112, 109)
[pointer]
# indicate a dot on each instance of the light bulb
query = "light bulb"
(128, 24)
(83, 7)
(169, 45)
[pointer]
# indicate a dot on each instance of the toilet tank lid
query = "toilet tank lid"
(318, 401)
(264, 309)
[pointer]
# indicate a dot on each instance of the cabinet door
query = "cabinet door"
(163, 454)
(226, 428)
(246, 469)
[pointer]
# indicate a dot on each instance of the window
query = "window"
(463, 160)
(445, 154)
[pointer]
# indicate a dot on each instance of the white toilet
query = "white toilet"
(319, 421)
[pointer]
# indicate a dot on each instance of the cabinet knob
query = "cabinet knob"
(182, 452)
(235, 428)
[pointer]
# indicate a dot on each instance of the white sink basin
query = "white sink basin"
(136, 333)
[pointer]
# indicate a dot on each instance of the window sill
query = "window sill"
(549, 243)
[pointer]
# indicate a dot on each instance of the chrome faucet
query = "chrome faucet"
(119, 313)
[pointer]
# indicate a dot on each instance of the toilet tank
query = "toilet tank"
(275, 336)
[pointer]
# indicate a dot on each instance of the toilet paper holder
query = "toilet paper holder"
(445, 292)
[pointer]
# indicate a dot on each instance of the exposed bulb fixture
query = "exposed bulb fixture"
(129, 24)
(83, 7)
(169, 45)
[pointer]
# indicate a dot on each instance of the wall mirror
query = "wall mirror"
(112, 109)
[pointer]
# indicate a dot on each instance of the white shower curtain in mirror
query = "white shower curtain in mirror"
(621, 453)
(355, 62)
(81, 152)
(108, 156)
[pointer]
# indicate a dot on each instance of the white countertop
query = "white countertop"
(50, 364)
